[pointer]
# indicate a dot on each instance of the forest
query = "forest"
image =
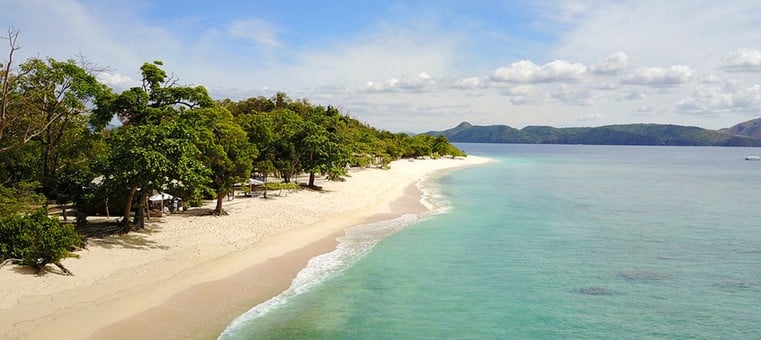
(68, 140)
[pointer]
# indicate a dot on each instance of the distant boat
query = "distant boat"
(753, 158)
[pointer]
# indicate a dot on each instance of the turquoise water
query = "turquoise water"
(549, 242)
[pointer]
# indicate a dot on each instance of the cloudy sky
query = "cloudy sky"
(423, 65)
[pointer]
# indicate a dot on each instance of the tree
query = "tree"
(225, 150)
(322, 147)
(37, 240)
(61, 94)
(19, 198)
(14, 129)
(158, 142)
(287, 128)
(260, 131)
(147, 157)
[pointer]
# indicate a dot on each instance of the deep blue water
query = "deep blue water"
(549, 242)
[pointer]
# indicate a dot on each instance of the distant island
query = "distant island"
(743, 134)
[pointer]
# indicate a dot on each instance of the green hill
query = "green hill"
(628, 134)
(751, 128)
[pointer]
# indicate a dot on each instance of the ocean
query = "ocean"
(549, 242)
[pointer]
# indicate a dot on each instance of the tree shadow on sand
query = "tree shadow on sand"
(49, 269)
(135, 240)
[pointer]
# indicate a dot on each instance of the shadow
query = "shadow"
(28, 270)
(99, 229)
(134, 240)
(315, 188)
(196, 212)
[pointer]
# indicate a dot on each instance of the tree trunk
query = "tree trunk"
(140, 212)
(218, 211)
(265, 186)
(311, 179)
(127, 226)
(63, 211)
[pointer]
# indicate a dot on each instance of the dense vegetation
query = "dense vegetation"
(630, 134)
(56, 145)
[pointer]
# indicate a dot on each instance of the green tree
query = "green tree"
(62, 95)
(322, 146)
(225, 150)
(37, 240)
(20, 198)
(260, 131)
(157, 144)
(148, 157)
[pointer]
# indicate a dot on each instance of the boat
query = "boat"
(753, 158)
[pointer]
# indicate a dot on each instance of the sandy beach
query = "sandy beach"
(188, 276)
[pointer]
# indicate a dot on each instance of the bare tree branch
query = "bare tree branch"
(6, 79)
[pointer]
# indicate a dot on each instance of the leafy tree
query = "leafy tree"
(37, 240)
(61, 95)
(225, 150)
(260, 131)
(19, 198)
(322, 145)
(147, 157)
(287, 129)
(158, 142)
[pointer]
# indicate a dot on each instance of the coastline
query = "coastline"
(192, 275)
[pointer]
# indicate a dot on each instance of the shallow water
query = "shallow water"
(550, 242)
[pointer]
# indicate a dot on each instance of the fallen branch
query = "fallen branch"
(65, 271)
(10, 261)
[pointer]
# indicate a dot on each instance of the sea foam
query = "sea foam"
(355, 244)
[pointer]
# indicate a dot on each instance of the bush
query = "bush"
(37, 240)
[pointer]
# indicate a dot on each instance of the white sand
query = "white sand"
(168, 281)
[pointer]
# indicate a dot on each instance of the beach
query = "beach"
(188, 276)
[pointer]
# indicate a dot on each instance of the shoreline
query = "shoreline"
(194, 275)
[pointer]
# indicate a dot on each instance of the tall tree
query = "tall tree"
(156, 145)
(225, 150)
(62, 95)
(322, 145)
(260, 131)
(146, 157)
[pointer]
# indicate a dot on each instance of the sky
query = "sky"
(414, 66)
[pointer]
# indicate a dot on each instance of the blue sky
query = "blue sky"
(423, 65)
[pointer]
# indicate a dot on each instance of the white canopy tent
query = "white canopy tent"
(160, 197)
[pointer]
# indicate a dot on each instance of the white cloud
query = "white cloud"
(116, 80)
(743, 60)
(655, 76)
(606, 86)
(613, 64)
(633, 95)
(470, 83)
(591, 116)
(646, 110)
(572, 95)
(525, 71)
(418, 82)
(696, 33)
(711, 79)
(257, 31)
(715, 100)
(524, 94)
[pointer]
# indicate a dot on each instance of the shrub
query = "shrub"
(37, 240)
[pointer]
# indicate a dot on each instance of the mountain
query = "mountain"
(751, 128)
(628, 134)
